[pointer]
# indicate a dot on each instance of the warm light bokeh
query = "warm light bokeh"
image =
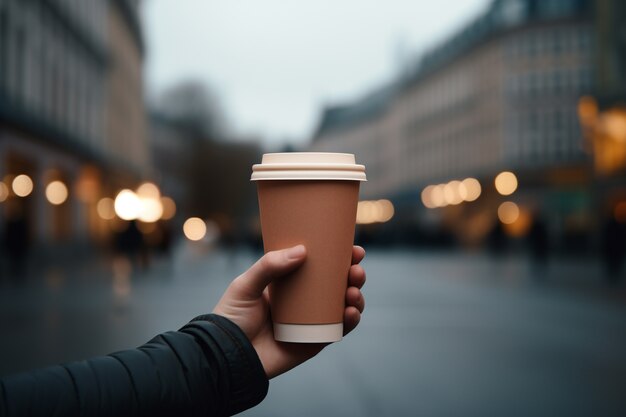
(194, 228)
(4, 192)
(506, 183)
(22, 185)
(56, 193)
(148, 190)
(151, 210)
(169, 208)
(106, 208)
(508, 212)
(437, 197)
(127, 205)
(377, 211)
(520, 226)
(453, 193)
(387, 210)
(614, 123)
(473, 189)
(427, 197)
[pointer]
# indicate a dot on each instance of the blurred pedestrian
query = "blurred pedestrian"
(164, 245)
(496, 240)
(16, 239)
(130, 243)
(216, 365)
(613, 248)
(538, 245)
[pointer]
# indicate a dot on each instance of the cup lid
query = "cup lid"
(308, 166)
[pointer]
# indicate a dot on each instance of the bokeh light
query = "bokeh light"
(148, 190)
(4, 192)
(472, 188)
(452, 193)
(506, 183)
(106, 208)
(22, 185)
(378, 211)
(508, 212)
(194, 228)
(427, 197)
(436, 196)
(127, 205)
(56, 192)
(448, 194)
(151, 210)
(364, 212)
(387, 210)
(614, 122)
(169, 208)
(521, 225)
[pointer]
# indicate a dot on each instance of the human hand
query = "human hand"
(246, 303)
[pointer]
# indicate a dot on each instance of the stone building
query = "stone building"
(500, 94)
(71, 109)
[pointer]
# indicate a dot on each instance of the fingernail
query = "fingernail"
(297, 252)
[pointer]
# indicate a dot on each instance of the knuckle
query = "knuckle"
(270, 260)
(239, 283)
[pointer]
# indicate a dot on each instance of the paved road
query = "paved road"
(442, 335)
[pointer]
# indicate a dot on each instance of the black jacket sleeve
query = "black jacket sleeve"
(207, 368)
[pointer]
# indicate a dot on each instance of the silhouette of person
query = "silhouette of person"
(613, 248)
(496, 240)
(130, 243)
(16, 239)
(538, 244)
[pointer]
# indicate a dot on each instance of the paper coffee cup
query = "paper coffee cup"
(310, 199)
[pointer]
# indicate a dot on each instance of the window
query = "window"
(4, 21)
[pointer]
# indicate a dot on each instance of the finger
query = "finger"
(354, 298)
(351, 318)
(358, 253)
(356, 276)
(275, 264)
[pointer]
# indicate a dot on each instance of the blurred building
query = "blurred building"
(71, 110)
(205, 173)
(499, 95)
(603, 113)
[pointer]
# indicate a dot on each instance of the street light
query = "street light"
(506, 183)
(22, 185)
(56, 193)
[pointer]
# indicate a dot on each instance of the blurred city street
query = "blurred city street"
(443, 333)
(145, 144)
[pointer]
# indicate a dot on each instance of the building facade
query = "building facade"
(501, 94)
(70, 78)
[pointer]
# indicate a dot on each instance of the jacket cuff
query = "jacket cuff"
(248, 384)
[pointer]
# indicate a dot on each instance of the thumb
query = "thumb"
(275, 264)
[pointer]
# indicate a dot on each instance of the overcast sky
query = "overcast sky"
(275, 63)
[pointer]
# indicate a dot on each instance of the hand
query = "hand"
(246, 303)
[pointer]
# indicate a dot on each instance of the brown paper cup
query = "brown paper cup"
(320, 213)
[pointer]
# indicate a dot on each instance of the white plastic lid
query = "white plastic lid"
(308, 333)
(308, 166)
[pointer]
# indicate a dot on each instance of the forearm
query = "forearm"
(206, 368)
